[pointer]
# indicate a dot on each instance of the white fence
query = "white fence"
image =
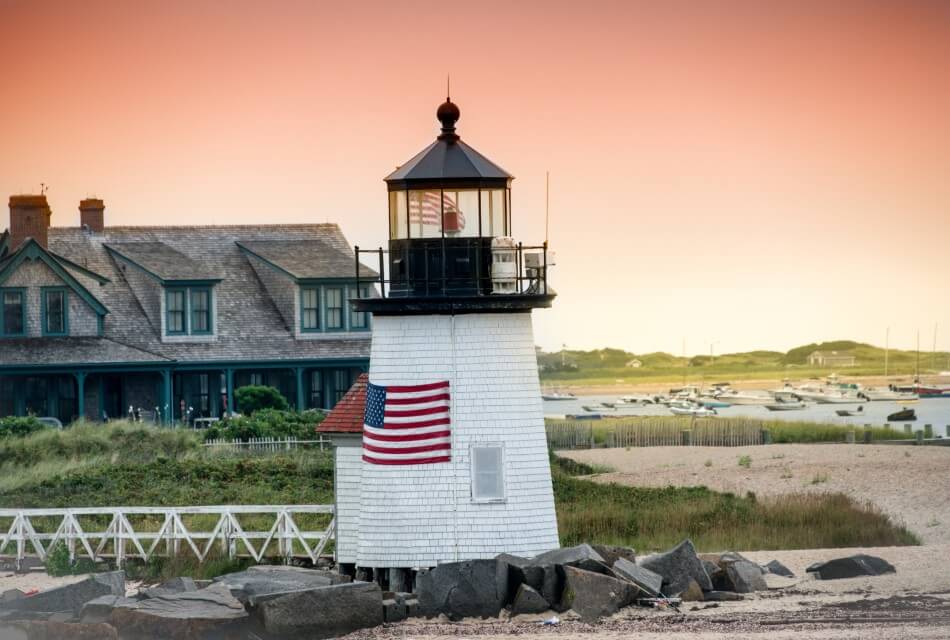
(34, 532)
(267, 444)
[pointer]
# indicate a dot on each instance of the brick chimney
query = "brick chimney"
(92, 214)
(29, 218)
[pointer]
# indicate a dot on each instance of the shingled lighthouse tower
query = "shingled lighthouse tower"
(454, 461)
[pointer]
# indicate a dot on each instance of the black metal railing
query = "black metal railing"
(463, 268)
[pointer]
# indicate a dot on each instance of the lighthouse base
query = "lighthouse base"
(495, 495)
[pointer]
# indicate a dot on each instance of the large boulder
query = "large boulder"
(263, 580)
(321, 612)
(100, 609)
(54, 630)
(175, 585)
(568, 555)
(72, 597)
(208, 613)
(543, 578)
(851, 567)
(744, 577)
(647, 581)
(678, 566)
(528, 600)
(721, 596)
(593, 595)
(468, 589)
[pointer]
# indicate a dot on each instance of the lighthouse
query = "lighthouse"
(452, 457)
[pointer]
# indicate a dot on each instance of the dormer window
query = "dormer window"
(55, 311)
(310, 309)
(334, 308)
(189, 311)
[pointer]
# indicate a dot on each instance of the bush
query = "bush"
(58, 563)
(253, 398)
(19, 427)
(267, 423)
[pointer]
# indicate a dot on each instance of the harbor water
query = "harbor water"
(933, 411)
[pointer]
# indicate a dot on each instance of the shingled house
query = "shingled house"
(171, 320)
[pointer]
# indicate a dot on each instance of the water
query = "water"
(935, 411)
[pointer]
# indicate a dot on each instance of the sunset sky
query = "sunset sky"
(739, 174)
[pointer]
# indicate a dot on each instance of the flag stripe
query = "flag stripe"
(400, 450)
(441, 396)
(372, 460)
(411, 413)
(409, 437)
(417, 388)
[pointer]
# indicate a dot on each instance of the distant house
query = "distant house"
(831, 359)
(96, 319)
(634, 364)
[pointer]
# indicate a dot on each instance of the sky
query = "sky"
(734, 175)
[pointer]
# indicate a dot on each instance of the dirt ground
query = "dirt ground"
(911, 484)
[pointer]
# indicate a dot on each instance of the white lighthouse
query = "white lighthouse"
(452, 460)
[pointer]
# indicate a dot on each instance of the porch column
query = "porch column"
(229, 384)
(81, 394)
(167, 408)
(301, 405)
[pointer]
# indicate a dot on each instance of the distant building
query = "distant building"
(831, 359)
(634, 364)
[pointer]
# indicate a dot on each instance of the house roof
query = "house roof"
(250, 326)
(163, 262)
(53, 351)
(307, 259)
(347, 415)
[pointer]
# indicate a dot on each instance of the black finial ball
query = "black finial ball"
(448, 114)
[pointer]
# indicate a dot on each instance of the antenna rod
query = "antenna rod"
(448, 86)
(547, 202)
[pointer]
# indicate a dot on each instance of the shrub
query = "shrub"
(253, 398)
(18, 427)
(58, 563)
(267, 423)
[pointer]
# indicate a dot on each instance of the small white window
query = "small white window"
(488, 473)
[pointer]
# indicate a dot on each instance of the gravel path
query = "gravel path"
(911, 484)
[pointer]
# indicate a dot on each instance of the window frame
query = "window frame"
(3, 312)
(316, 289)
(169, 291)
(503, 497)
(44, 311)
(209, 312)
(326, 308)
(187, 310)
(319, 391)
(362, 291)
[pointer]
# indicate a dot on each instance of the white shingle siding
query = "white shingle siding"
(418, 516)
(349, 460)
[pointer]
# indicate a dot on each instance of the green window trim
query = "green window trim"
(310, 310)
(62, 315)
(21, 292)
(187, 308)
(360, 320)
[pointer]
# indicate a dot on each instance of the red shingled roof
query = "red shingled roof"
(347, 415)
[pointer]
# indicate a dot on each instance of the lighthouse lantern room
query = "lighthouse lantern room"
(452, 461)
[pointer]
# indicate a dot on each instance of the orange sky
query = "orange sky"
(741, 172)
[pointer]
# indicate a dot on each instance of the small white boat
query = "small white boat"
(875, 395)
(786, 406)
(840, 399)
(745, 398)
(637, 399)
(557, 396)
(685, 409)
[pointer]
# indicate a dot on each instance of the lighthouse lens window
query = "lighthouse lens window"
(488, 473)
(493, 213)
(425, 214)
(460, 213)
(398, 226)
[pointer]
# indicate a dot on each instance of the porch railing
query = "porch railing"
(266, 445)
(144, 532)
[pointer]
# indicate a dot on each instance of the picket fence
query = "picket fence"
(656, 432)
(132, 532)
(266, 445)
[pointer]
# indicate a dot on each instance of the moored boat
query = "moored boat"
(557, 396)
(904, 415)
(785, 406)
(848, 412)
(686, 409)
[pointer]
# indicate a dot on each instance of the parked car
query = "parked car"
(51, 422)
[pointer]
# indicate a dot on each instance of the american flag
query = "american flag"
(425, 209)
(407, 424)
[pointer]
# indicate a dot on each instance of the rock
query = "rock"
(594, 595)
(266, 579)
(528, 600)
(648, 582)
(72, 597)
(851, 567)
(779, 569)
(568, 555)
(712, 569)
(394, 609)
(412, 606)
(721, 596)
(678, 566)
(693, 593)
(46, 630)
(744, 577)
(169, 587)
(321, 612)
(10, 595)
(731, 556)
(211, 612)
(469, 589)
(611, 554)
(100, 609)
(543, 578)
(589, 564)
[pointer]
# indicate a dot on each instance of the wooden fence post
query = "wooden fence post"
(850, 437)
(920, 437)
(928, 431)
